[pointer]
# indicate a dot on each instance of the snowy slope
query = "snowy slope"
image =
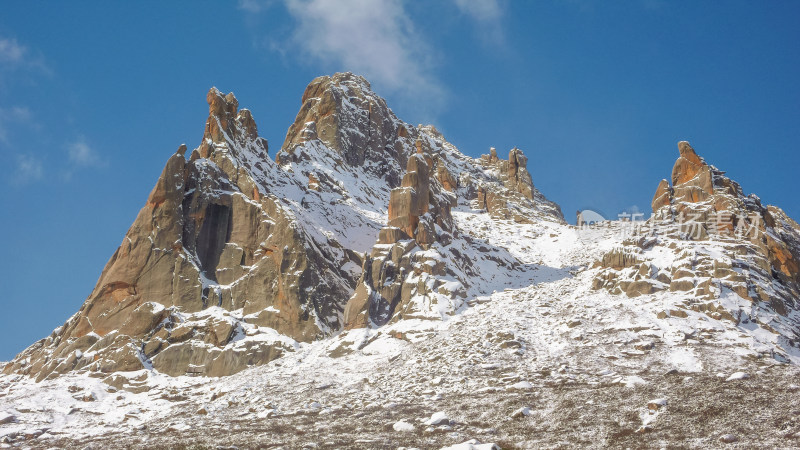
(530, 346)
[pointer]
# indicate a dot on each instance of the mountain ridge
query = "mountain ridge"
(369, 273)
(222, 223)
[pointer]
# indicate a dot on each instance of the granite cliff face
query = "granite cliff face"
(236, 259)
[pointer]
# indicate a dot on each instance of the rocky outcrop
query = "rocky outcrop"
(513, 173)
(691, 176)
(415, 209)
(513, 187)
(422, 267)
(344, 115)
(419, 217)
(663, 195)
(709, 205)
(720, 242)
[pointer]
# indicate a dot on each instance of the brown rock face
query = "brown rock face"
(322, 117)
(413, 200)
(513, 173)
(234, 258)
(717, 207)
(208, 236)
(663, 195)
(422, 267)
(419, 217)
(519, 180)
(691, 177)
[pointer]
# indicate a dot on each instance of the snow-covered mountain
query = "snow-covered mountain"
(370, 286)
(236, 258)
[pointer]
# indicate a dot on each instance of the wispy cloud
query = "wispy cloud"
(17, 57)
(11, 52)
(481, 10)
(82, 155)
(28, 169)
(255, 6)
(13, 116)
(374, 38)
(487, 14)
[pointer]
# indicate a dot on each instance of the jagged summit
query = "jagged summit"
(227, 123)
(345, 115)
(715, 250)
(368, 272)
(236, 259)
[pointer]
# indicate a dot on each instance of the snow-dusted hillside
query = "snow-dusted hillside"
(484, 320)
(588, 366)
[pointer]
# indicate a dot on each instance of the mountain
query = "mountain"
(716, 251)
(367, 285)
(235, 259)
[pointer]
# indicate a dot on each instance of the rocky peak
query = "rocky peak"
(345, 114)
(422, 266)
(692, 178)
(519, 179)
(235, 259)
(704, 192)
(227, 126)
(720, 241)
(513, 175)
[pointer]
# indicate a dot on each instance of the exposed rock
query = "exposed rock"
(344, 114)
(655, 405)
(620, 258)
(663, 195)
(520, 413)
(691, 176)
(231, 244)
(761, 248)
(519, 180)
(439, 418)
(206, 221)
(419, 216)
(516, 186)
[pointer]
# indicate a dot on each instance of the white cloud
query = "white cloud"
(11, 52)
(16, 57)
(20, 113)
(480, 10)
(28, 169)
(254, 6)
(81, 155)
(13, 115)
(374, 38)
(487, 14)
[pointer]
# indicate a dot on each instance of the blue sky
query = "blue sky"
(95, 96)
